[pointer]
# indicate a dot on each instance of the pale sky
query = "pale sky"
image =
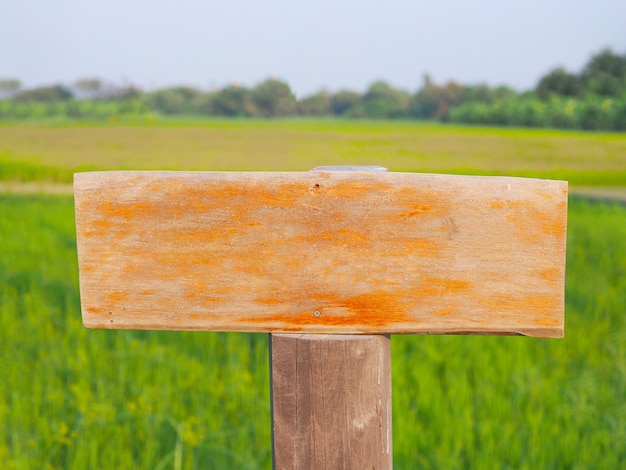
(332, 44)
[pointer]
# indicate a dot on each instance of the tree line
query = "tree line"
(594, 98)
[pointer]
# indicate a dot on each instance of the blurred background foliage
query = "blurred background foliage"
(593, 99)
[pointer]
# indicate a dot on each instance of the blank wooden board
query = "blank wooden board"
(321, 252)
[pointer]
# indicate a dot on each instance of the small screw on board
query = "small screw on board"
(317, 314)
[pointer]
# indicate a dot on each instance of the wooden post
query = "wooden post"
(331, 396)
(331, 401)
(311, 256)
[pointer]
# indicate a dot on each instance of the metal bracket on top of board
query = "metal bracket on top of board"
(365, 168)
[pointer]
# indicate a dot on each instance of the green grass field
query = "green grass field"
(40, 151)
(72, 398)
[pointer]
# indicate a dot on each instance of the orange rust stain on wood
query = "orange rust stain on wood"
(431, 286)
(543, 305)
(420, 247)
(421, 203)
(97, 228)
(232, 196)
(420, 210)
(117, 297)
(377, 309)
(97, 310)
(198, 291)
(270, 300)
(236, 214)
(526, 212)
(515, 205)
(128, 210)
(555, 227)
(350, 190)
(548, 321)
(532, 224)
(205, 290)
(199, 237)
(444, 312)
(284, 195)
(351, 237)
(551, 274)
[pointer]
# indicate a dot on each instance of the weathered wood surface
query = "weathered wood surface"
(331, 401)
(321, 252)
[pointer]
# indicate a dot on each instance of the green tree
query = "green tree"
(203, 104)
(273, 98)
(559, 82)
(433, 101)
(232, 101)
(45, 94)
(605, 74)
(347, 103)
(597, 114)
(317, 104)
(485, 93)
(383, 101)
(175, 100)
(619, 116)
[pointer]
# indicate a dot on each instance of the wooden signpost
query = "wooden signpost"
(330, 263)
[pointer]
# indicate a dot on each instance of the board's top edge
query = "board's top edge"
(351, 173)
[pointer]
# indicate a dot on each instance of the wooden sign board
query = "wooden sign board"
(321, 252)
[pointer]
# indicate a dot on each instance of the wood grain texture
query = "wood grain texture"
(321, 252)
(331, 401)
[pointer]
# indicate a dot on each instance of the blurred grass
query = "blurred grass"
(74, 399)
(77, 398)
(15, 170)
(53, 151)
